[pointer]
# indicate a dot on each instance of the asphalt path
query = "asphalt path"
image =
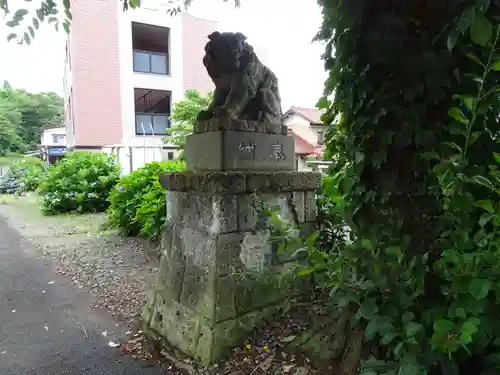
(46, 324)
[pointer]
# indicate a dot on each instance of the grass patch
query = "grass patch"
(7, 160)
(27, 208)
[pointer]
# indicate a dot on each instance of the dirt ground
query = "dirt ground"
(118, 272)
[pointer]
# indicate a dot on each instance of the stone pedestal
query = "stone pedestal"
(220, 275)
(233, 150)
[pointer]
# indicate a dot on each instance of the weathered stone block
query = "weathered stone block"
(228, 249)
(282, 181)
(250, 209)
(170, 279)
(238, 182)
(217, 339)
(247, 212)
(231, 150)
(228, 182)
(177, 323)
(225, 214)
(310, 206)
(298, 202)
(196, 289)
(271, 288)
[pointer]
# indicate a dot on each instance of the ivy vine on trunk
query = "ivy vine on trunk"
(415, 85)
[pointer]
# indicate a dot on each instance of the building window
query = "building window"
(170, 156)
(321, 137)
(58, 139)
(151, 124)
(150, 62)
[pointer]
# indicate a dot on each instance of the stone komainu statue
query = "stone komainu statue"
(245, 88)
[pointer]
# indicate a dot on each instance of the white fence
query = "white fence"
(134, 157)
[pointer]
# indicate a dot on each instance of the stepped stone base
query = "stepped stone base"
(219, 274)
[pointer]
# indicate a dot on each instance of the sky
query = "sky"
(280, 33)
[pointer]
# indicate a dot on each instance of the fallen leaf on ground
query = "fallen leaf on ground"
(113, 344)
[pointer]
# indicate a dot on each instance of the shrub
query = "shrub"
(23, 176)
(80, 182)
(333, 230)
(138, 201)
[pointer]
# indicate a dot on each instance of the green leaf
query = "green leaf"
(407, 317)
(458, 115)
(481, 29)
(318, 257)
(40, 14)
(484, 219)
(19, 14)
(409, 369)
(32, 32)
(481, 180)
(496, 66)
(479, 288)
(69, 16)
(66, 27)
(483, 5)
(486, 205)
(367, 244)
(469, 100)
(468, 329)
(381, 325)
(431, 155)
(394, 251)
(466, 19)
(412, 329)
(452, 39)
(388, 337)
(368, 309)
(444, 325)
(474, 58)
(323, 103)
(36, 23)
(135, 3)
(11, 36)
(497, 157)
(52, 19)
(27, 38)
(12, 23)
(399, 347)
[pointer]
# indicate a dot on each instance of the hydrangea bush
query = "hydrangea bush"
(23, 176)
(138, 201)
(80, 182)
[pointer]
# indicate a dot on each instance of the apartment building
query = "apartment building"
(124, 70)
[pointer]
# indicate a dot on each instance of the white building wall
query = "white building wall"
(48, 139)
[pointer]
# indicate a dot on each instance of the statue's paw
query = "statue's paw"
(223, 113)
(204, 115)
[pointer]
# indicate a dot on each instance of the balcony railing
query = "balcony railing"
(151, 123)
(150, 62)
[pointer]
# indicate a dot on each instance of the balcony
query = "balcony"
(150, 62)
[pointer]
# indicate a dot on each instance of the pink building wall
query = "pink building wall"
(195, 75)
(95, 73)
(95, 69)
